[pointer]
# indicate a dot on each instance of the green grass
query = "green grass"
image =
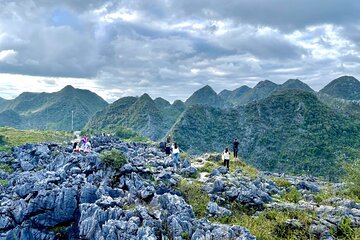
(6, 168)
(4, 182)
(194, 196)
(352, 177)
(113, 158)
(208, 167)
(14, 137)
(345, 230)
(281, 182)
(329, 192)
(233, 166)
(270, 224)
(292, 195)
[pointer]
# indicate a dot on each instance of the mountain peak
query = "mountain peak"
(205, 96)
(295, 84)
(346, 87)
(265, 83)
(68, 88)
(145, 96)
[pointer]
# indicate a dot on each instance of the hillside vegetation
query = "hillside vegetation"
(287, 132)
(10, 137)
(51, 111)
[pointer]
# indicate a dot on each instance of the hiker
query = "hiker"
(175, 152)
(83, 143)
(87, 147)
(76, 147)
(168, 146)
(236, 147)
(226, 157)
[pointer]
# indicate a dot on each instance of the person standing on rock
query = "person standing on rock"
(175, 152)
(236, 147)
(168, 146)
(226, 158)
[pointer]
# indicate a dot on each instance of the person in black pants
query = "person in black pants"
(236, 147)
(168, 146)
(226, 158)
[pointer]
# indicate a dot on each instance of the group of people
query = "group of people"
(226, 153)
(172, 148)
(84, 145)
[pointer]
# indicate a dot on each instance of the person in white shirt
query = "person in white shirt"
(175, 153)
(87, 147)
(226, 157)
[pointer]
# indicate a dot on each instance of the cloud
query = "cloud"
(8, 56)
(171, 48)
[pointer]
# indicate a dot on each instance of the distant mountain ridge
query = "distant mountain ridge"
(151, 118)
(345, 87)
(290, 131)
(51, 110)
(276, 123)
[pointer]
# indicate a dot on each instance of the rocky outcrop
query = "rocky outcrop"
(55, 194)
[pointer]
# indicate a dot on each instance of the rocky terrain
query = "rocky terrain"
(48, 192)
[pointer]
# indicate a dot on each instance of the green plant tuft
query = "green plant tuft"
(4, 182)
(281, 182)
(6, 168)
(194, 196)
(113, 158)
(292, 195)
(352, 177)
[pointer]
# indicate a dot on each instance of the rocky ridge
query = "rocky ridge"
(55, 194)
(52, 193)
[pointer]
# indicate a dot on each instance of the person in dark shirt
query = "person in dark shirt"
(236, 147)
(168, 146)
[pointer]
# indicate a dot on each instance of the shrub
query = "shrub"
(113, 158)
(281, 182)
(344, 230)
(292, 195)
(6, 168)
(4, 182)
(352, 177)
(194, 196)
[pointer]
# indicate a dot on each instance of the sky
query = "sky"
(170, 48)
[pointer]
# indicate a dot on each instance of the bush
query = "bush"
(4, 182)
(292, 195)
(281, 182)
(6, 168)
(113, 158)
(344, 230)
(352, 177)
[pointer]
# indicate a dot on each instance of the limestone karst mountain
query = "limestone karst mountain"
(52, 110)
(345, 87)
(205, 96)
(151, 118)
(290, 131)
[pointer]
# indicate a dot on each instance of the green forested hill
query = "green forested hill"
(290, 131)
(206, 96)
(151, 118)
(52, 110)
(345, 87)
